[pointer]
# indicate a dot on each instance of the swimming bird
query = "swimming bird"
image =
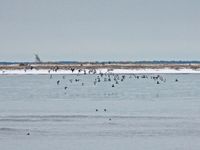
(77, 80)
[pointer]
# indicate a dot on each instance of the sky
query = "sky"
(99, 30)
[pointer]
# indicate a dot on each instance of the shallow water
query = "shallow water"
(140, 114)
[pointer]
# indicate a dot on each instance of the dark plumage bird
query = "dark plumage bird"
(105, 109)
(58, 82)
(77, 80)
(72, 69)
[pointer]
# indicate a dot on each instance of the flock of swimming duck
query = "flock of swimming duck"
(112, 78)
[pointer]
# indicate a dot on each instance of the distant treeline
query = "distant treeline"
(106, 62)
(167, 62)
(56, 62)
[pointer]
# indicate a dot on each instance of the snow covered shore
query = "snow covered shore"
(98, 71)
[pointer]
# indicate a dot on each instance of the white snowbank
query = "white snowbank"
(115, 71)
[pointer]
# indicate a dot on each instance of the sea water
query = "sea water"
(85, 112)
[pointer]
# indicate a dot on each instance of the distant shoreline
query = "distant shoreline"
(96, 68)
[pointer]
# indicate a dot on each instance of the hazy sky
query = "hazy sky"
(89, 30)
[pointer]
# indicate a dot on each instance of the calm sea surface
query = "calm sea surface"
(94, 112)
